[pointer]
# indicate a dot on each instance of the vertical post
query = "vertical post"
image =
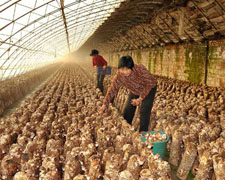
(181, 24)
(65, 24)
(206, 61)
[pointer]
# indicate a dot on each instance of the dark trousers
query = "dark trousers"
(100, 79)
(145, 109)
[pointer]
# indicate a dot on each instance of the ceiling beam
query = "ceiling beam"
(65, 24)
(24, 48)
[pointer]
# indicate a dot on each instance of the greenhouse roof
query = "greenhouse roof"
(33, 33)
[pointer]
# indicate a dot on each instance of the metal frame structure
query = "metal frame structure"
(31, 31)
(139, 24)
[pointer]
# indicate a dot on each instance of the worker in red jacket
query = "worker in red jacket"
(98, 61)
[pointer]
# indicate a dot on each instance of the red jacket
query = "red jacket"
(99, 61)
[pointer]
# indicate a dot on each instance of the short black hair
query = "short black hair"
(126, 62)
(94, 52)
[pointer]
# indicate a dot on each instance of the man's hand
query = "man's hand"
(102, 109)
(104, 67)
(136, 102)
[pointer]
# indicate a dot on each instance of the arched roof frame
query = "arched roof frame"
(64, 23)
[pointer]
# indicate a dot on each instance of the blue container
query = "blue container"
(158, 147)
(101, 71)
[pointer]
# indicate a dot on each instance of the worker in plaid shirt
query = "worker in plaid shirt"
(142, 86)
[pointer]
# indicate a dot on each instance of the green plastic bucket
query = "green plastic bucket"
(158, 147)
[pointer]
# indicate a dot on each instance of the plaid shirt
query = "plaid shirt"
(139, 82)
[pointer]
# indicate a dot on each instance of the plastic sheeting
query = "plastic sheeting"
(33, 33)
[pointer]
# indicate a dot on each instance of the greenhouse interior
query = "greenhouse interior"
(112, 90)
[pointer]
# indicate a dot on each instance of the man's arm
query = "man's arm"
(94, 63)
(113, 89)
(104, 62)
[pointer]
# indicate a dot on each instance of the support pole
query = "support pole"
(206, 61)
(64, 20)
